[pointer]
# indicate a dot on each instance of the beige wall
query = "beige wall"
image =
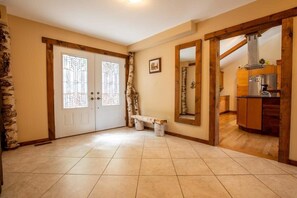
(29, 71)
(157, 90)
(293, 143)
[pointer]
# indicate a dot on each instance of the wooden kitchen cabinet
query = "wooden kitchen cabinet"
(254, 113)
(259, 114)
(242, 82)
(224, 104)
(241, 111)
(249, 113)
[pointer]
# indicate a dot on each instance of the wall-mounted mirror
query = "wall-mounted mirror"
(188, 82)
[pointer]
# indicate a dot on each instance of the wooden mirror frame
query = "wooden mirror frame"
(197, 116)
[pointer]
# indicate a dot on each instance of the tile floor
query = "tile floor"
(128, 163)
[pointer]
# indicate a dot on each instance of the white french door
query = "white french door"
(89, 92)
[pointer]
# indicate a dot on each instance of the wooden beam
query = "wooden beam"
(214, 91)
(233, 49)
(50, 90)
(81, 47)
(253, 26)
(286, 90)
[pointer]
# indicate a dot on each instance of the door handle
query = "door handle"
(98, 98)
(92, 98)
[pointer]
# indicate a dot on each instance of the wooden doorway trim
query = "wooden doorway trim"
(283, 18)
(50, 74)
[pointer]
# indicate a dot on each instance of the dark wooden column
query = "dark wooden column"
(286, 90)
(214, 77)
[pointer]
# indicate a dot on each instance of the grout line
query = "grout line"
(177, 176)
(216, 177)
(104, 170)
(140, 165)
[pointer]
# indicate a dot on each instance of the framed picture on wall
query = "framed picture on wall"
(155, 65)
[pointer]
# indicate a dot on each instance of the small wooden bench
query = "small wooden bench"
(159, 124)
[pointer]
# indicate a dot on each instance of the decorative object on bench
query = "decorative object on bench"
(159, 124)
(131, 94)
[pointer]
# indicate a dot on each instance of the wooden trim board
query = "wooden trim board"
(253, 26)
(50, 74)
(31, 142)
(286, 90)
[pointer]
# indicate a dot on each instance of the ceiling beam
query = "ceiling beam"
(252, 26)
(233, 49)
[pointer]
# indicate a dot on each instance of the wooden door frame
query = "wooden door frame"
(50, 74)
(283, 18)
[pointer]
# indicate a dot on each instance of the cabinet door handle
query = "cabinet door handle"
(98, 98)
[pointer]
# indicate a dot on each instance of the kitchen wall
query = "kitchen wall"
(28, 63)
(157, 90)
(269, 49)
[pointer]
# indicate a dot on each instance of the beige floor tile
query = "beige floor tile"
(159, 186)
(155, 143)
(232, 153)
(24, 164)
(210, 152)
(29, 185)
(90, 166)
(155, 153)
(183, 153)
(128, 152)
(115, 187)
(191, 167)
(123, 167)
(157, 167)
(259, 166)
(102, 151)
(245, 186)
(73, 186)
(286, 167)
(56, 165)
(225, 166)
(202, 186)
(283, 185)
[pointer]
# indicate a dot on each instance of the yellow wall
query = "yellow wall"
(28, 63)
(157, 90)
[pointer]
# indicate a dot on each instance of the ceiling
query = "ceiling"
(118, 20)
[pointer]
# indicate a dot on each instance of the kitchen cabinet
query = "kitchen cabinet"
(242, 82)
(241, 111)
(224, 103)
(259, 114)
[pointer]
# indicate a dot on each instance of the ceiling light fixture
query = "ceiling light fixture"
(134, 1)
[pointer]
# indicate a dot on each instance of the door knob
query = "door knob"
(92, 93)
(92, 98)
(98, 98)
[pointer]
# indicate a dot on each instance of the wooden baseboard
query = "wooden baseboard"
(31, 142)
(187, 137)
(292, 162)
(182, 136)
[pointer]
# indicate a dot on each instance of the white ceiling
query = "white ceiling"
(118, 20)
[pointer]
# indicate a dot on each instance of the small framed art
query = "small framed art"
(155, 65)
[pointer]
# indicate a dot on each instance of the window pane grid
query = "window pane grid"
(110, 84)
(75, 87)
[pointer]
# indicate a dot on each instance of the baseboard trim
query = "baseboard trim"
(292, 162)
(31, 142)
(182, 136)
(188, 137)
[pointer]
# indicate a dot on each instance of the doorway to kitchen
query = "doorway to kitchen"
(284, 18)
(250, 84)
(89, 92)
